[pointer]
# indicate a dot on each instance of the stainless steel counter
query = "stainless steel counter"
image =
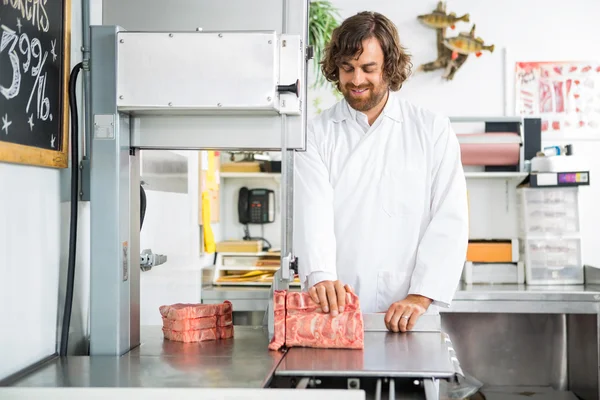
(386, 354)
(242, 362)
(504, 335)
(543, 299)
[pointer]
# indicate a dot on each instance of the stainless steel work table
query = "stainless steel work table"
(242, 362)
(410, 355)
(245, 362)
(536, 336)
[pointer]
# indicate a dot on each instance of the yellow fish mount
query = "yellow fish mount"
(467, 43)
(452, 51)
(439, 19)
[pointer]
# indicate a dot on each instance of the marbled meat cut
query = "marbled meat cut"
(183, 311)
(300, 322)
(225, 319)
(190, 324)
(278, 340)
(197, 322)
(224, 332)
(191, 336)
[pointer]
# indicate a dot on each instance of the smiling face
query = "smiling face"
(362, 80)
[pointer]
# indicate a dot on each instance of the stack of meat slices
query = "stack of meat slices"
(197, 322)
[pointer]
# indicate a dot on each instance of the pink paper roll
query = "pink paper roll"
(489, 153)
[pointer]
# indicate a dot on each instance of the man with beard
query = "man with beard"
(380, 193)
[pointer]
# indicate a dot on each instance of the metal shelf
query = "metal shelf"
(274, 175)
(496, 175)
(482, 175)
(252, 284)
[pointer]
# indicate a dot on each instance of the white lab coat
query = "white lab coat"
(383, 210)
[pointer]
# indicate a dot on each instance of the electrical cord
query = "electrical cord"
(248, 237)
(66, 322)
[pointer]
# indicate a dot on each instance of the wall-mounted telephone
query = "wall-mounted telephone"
(256, 206)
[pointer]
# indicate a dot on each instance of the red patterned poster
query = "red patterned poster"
(566, 95)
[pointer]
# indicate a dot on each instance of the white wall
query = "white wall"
(548, 30)
(34, 229)
(29, 264)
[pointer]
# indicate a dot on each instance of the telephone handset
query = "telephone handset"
(256, 206)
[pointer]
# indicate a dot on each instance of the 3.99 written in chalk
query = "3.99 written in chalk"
(31, 73)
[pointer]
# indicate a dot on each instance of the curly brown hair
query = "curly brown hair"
(346, 43)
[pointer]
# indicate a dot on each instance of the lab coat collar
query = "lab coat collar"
(342, 110)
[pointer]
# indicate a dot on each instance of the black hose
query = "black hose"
(66, 322)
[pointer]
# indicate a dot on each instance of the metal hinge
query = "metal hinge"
(84, 180)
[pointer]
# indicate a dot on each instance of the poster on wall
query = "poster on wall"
(565, 95)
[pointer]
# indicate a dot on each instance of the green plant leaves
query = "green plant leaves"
(322, 20)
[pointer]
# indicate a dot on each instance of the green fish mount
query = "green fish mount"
(445, 59)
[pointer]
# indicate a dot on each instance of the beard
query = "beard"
(365, 101)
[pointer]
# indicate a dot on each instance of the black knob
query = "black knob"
(293, 88)
(294, 265)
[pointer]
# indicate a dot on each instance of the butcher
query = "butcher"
(380, 192)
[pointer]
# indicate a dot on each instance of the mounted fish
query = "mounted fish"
(440, 20)
(452, 52)
(466, 43)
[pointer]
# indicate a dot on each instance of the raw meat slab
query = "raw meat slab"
(190, 324)
(225, 332)
(191, 336)
(187, 311)
(300, 322)
(278, 339)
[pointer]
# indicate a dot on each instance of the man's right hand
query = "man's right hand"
(331, 295)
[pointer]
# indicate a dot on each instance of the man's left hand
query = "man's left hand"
(402, 315)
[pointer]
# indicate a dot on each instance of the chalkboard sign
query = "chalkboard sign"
(34, 81)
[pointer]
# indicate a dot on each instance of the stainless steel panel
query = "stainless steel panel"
(468, 299)
(510, 349)
(248, 318)
(242, 132)
(592, 274)
(175, 393)
(405, 355)
(524, 307)
(584, 357)
(197, 71)
(241, 362)
(187, 15)
(528, 293)
(525, 393)
(111, 243)
(134, 247)
(425, 323)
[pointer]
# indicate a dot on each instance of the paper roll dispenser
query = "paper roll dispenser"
(497, 149)
(504, 146)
